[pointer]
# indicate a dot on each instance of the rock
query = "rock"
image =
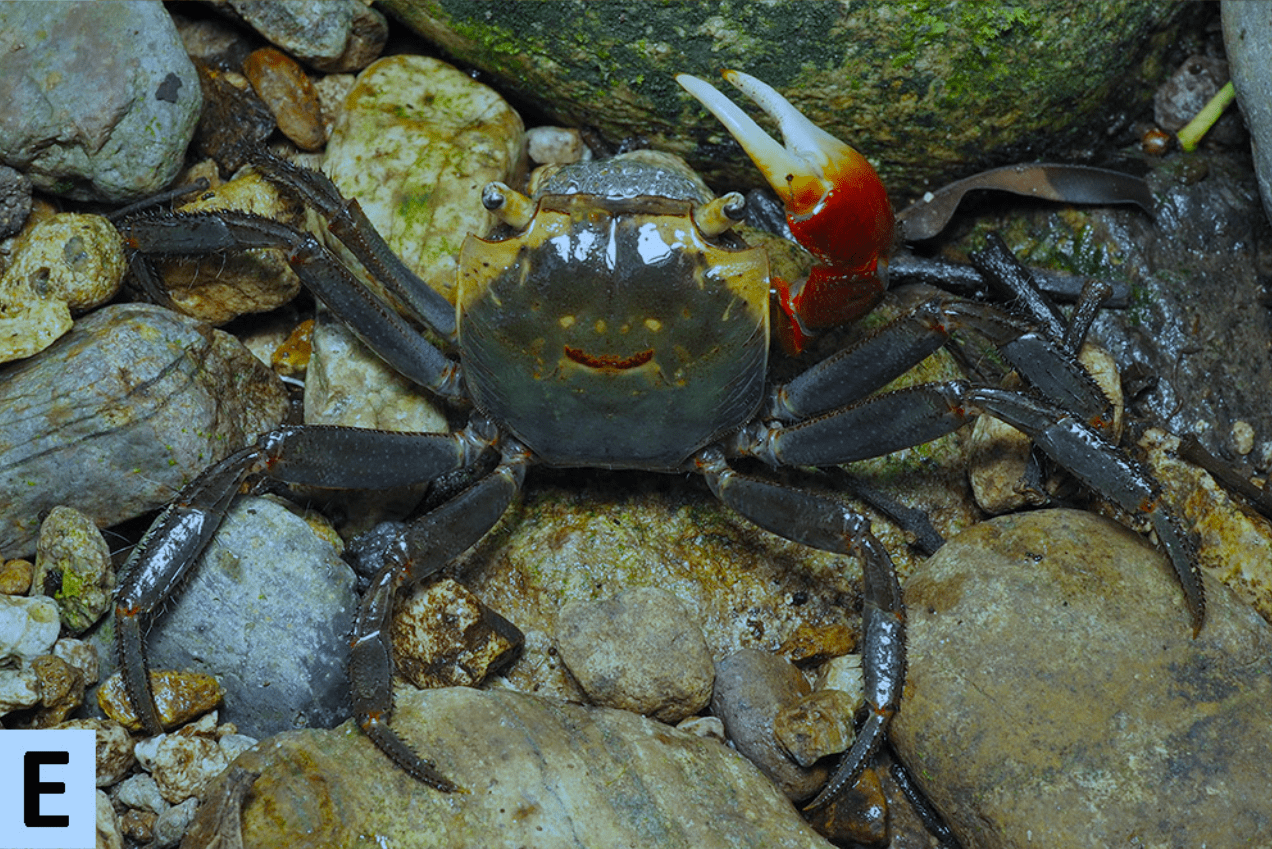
(752, 687)
(108, 836)
(120, 413)
(19, 688)
(70, 257)
(1189, 89)
(15, 577)
(900, 85)
(641, 651)
(31, 319)
(179, 697)
(114, 748)
(239, 282)
(182, 765)
(1247, 36)
(141, 791)
(15, 201)
(415, 145)
(540, 773)
(61, 690)
(104, 99)
(171, 825)
(443, 636)
(289, 94)
(1056, 694)
(267, 611)
(72, 564)
(817, 725)
(859, 816)
(79, 654)
(556, 145)
(28, 626)
(1235, 544)
(342, 36)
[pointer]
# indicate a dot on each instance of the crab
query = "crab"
(615, 323)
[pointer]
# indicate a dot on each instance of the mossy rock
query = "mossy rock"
(925, 90)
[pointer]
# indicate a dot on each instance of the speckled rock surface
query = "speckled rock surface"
(72, 565)
(538, 773)
(1056, 696)
(899, 81)
(417, 141)
(120, 413)
(101, 101)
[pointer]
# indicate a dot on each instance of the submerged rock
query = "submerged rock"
(1056, 693)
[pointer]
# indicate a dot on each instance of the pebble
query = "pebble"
(108, 836)
(81, 655)
(266, 612)
(171, 825)
(141, 791)
(182, 765)
(111, 100)
(556, 145)
(179, 697)
(443, 636)
(539, 773)
(30, 318)
(817, 725)
(28, 625)
(114, 748)
(15, 577)
(641, 650)
(72, 565)
(19, 688)
(289, 94)
(1057, 697)
(858, 817)
(72, 257)
(120, 413)
(61, 690)
(240, 282)
(751, 688)
(344, 35)
(417, 141)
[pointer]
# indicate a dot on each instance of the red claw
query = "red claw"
(835, 202)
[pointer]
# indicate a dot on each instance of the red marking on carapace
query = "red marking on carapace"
(609, 362)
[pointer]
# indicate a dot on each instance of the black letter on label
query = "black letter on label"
(33, 788)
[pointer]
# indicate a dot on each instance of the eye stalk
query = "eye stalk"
(835, 202)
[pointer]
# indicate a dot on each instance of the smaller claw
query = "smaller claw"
(836, 204)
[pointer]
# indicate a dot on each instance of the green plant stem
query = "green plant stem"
(1191, 135)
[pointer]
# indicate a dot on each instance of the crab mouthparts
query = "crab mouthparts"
(608, 362)
(807, 168)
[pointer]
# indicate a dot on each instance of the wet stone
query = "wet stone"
(751, 688)
(641, 650)
(179, 697)
(1057, 697)
(817, 725)
(72, 564)
(443, 636)
(857, 817)
(61, 690)
(289, 94)
(539, 773)
(120, 413)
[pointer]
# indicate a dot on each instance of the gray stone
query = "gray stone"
(1057, 697)
(1247, 37)
(752, 687)
(100, 100)
(119, 414)
(344, 35)
(538, 773)
(267, 611)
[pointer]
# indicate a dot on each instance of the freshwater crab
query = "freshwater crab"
(612, 328)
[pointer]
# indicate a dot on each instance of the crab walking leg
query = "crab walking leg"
(348, 223)
(907, 417)
(823, 523)
(314, 455)
(425, 547)
(387, 333)
(893, 349)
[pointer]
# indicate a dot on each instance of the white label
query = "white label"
(48, 783)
